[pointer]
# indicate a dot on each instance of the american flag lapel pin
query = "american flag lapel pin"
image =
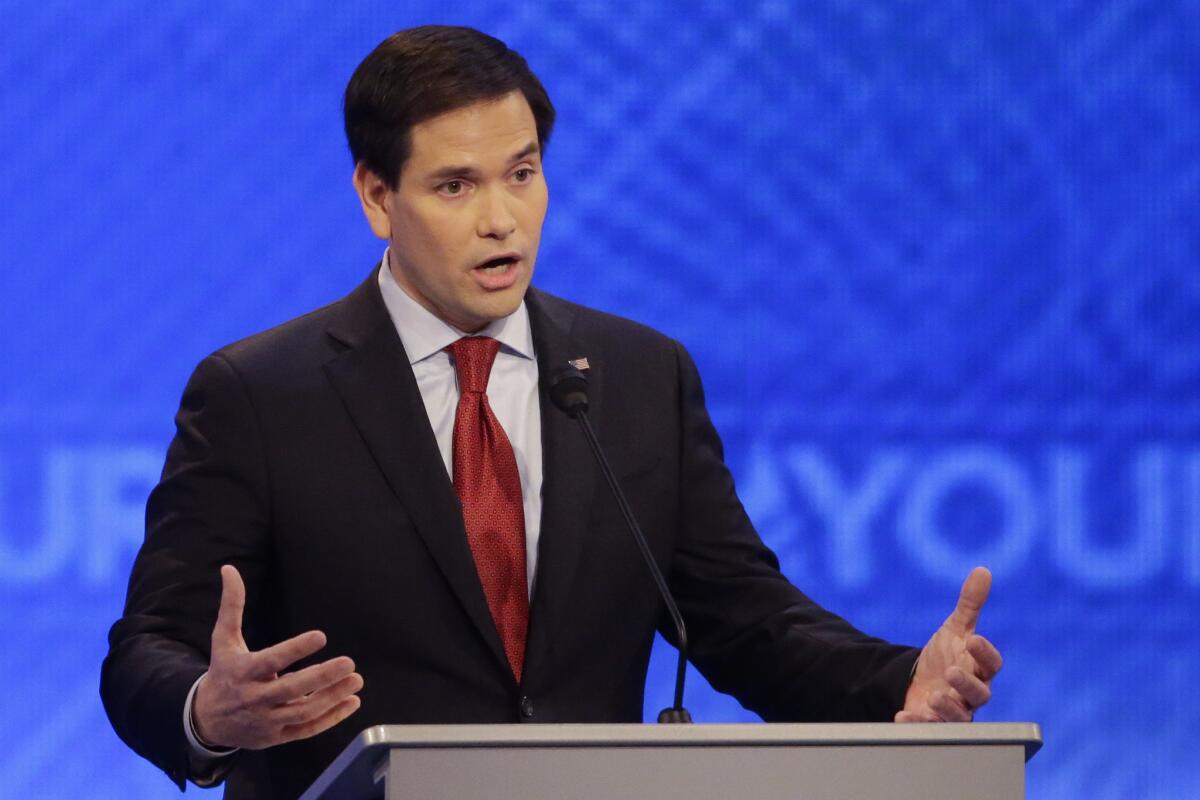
(580, 364)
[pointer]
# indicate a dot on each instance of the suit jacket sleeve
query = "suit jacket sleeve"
(753, 634)
(208, 509)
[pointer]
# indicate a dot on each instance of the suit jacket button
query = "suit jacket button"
(526, 707)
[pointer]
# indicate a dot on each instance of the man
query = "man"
(384, 480)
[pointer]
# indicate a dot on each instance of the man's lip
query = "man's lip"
(498, 281)
(515, 256)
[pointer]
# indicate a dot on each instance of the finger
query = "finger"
(971, 689)
(949, 708)
(922, 713)
(317, 704)
(971, 599)
(987, 658)
(333, 716)
(275, 659)
(228, 628)
(296, 685)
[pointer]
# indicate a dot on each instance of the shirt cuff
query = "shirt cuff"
(201, 757)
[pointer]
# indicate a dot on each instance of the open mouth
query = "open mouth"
(498, 264)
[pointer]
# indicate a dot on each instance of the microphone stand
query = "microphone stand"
(569, 392)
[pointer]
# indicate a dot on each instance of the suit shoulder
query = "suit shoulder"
(307, 340)
(594, 324)
(281, 343)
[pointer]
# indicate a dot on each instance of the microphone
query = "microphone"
(568, 390)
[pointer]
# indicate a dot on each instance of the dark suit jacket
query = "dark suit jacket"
(304, 457)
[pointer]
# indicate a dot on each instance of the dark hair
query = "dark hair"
(419, 73)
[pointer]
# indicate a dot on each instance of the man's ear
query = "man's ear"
(375, 197)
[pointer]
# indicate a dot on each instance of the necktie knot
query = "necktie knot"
(473, 358)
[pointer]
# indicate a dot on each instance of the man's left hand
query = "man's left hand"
(955, 670)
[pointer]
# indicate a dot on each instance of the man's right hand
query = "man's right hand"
(244, 702)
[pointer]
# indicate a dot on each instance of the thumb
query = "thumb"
(228, 629)
(971, 599)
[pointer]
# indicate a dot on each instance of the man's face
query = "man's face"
(471, 192)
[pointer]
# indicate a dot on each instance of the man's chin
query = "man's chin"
(494, 306)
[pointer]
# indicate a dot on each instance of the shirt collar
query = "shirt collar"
(423, 334)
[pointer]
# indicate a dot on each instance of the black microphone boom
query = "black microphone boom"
(568, 390)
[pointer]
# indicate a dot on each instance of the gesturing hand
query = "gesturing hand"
(244, 702)
(956, 667)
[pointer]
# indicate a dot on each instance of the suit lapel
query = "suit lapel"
(376, 384)
(568, 476)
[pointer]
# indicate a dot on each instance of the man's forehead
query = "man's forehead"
(493, 129)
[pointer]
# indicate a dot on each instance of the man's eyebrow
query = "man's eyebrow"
(453, 171)
(525, 152)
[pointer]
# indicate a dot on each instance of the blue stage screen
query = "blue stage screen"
(937, 263)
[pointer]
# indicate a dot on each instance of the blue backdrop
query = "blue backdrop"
(937, 263)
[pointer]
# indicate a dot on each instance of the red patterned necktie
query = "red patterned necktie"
(487, 483)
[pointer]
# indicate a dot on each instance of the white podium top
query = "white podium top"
(748, 734)
(359, 763)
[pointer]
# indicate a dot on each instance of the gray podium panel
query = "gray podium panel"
(698, 762)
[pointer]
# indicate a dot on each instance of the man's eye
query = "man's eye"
(452, 187)
(523, 174)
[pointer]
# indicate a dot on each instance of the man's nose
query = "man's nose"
(496, 220)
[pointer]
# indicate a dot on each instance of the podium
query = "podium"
(981, 761)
